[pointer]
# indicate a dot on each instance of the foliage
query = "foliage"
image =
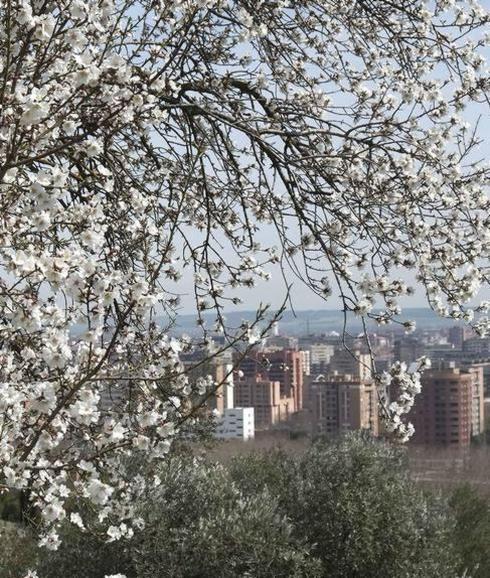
(201, 524)
(354, 503)
(18, 550)
(472, 531)
(10, 507)
(273, 470)
(373, 521)
(85, 555)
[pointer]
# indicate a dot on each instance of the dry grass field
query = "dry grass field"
(432, 467)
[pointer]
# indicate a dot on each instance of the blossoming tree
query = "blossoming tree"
(141, 138)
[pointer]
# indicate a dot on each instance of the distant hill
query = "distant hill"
(315, 321)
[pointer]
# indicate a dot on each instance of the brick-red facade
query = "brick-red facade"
(443, 410)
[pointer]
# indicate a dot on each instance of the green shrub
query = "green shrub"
(472, 531)
(201, 525)
(18, 550)
(353, 502)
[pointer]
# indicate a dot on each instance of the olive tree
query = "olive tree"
(356, 507)
(471, 508)
(144, 139)
(199, 523)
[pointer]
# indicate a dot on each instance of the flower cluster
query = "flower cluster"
(400, 384)
(141, 142)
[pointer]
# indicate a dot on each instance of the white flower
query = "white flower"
(51, 540)
(253, 336)
(44, 27)
(118, 532)
(42, 220)
(92, 239)
(118, 432)
(92, 147)
(78, 10)
(69, 127)
(76, 519)
(114, 533)
(34, 112)
(25, 17)
(175, 346)
(162, 448)
(98, 492)
(424, 362)
(53, 511)
(409, 326)
(363, 307)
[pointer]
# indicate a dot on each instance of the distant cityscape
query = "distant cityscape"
(320, 384)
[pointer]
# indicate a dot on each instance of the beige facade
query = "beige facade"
(353, 363)
(284, 366)
(341, 404)
(305, 362)
(270, 407)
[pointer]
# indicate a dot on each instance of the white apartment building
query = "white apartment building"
(236, 423)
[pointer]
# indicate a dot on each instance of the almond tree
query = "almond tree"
(142, 138)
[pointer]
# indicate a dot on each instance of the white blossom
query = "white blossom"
(406, 382)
